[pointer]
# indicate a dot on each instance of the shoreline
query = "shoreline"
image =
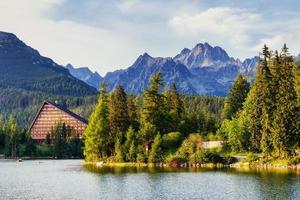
(238, 165)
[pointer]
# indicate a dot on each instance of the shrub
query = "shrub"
(227, 160)
(251, 158)
(171, 140)
(191, 144)
(214, 157)
(294, 160)
(75, 147)
(208, 157)
(44, 151)
(175, 160)
(213, 137)
(140, 158)
(236, 132)
(21, 150)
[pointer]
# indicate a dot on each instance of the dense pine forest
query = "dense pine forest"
(260, 120)
(203, 114)
(166, 127)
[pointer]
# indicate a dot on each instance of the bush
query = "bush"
(213, 137)
(190, 145)
(294, 160)
(227, 160)
(208, 157)
(237, 133)
(140, 158)
(251, 158)
(75, 148)
(175, 160)
(21, 150)
(171, 140)
(44, 151)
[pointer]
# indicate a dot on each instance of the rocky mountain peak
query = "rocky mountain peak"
(202, 55)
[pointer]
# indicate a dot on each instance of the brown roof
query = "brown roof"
(62, 109)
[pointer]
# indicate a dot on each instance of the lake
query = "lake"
(69, 179)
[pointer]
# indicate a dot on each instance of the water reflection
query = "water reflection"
(69, 179)
(242, 183)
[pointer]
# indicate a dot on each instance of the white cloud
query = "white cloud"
(66, 41)
(109, 35)
(241, 31)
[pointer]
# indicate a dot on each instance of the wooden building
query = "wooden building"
(49, 115)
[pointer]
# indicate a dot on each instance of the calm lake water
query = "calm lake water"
(69, 179)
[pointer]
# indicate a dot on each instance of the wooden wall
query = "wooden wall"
(47, 119)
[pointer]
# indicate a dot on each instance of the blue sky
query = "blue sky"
(109, 35)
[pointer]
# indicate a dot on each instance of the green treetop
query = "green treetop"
(118, 112)
(236, 97)
(156, 151)
(286, 102)
(154, 115)
(97, 132)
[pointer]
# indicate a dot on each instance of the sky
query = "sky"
(106, 35)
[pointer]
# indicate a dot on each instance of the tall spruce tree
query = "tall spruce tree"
(130, 139)
(155, 153)
(236, 97)
(11, 130)
(154, 115)
(118, 114)
(258, 107)
(133, 112)
(97, 132)
(176, 105)
(119, 153)
(283, 137)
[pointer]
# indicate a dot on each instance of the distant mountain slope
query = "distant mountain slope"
(23, 67)
(86, 75)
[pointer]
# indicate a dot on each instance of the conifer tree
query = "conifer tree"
(97, 132)
(155, 153)
(11, 130)
(177, 106)
(132, 152)
(258, 107)
(236, 97)
(133, 112)
(119, 153)
(118, 112)
(130, 139)
(265, 91)
(286, 102)
(154, 115)
(176, 102)
(59, 133)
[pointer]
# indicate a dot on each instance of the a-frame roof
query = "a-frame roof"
(60, 108)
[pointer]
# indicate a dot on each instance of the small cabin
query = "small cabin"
(49, 115)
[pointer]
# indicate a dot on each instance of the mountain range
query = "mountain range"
(202, 70)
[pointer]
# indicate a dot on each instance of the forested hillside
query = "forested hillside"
(27, 79)
(22, 67)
